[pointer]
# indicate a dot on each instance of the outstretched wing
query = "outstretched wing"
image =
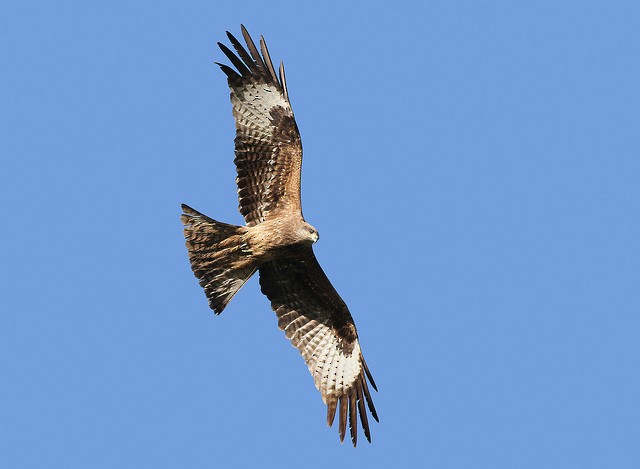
(317, 321)
(268, 147)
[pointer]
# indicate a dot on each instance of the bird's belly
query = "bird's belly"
(267, 245)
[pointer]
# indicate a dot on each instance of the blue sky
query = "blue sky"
(473, 169)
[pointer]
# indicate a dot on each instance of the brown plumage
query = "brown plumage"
(277, 240)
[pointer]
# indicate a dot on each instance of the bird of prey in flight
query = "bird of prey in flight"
(277, 241)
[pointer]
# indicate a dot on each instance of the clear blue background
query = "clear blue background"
(473, 169)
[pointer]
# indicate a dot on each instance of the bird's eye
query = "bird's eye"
(311, 230)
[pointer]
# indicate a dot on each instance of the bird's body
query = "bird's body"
(274, 237)
(277, 241)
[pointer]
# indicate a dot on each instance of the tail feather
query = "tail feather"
(219, 254)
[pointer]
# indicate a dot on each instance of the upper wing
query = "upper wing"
(317, 321)
(268, 147)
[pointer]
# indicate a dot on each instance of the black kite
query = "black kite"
(277, 240)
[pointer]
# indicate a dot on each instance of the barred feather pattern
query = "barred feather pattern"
(319, 325)
(267, 145)
(219, 256)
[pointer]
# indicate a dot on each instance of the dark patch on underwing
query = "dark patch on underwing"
(285, 127)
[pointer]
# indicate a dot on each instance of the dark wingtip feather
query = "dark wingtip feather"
(344, 405)
(268, 61)
(228, 71)
(363, 414)
(353, 419)
(243, 54)
(364, 420)
(239, 64)
(366, 370)
(231, 37)
(331, 411)
(367, 396)
(244, 30)
(253, 50)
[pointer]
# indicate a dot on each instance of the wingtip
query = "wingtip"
(364, 420)
(344, 407)
(353, 419)
(368, 373)
(367, 396)
(332, 406)
(228, 71)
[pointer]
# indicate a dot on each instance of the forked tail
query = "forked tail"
(219, 255)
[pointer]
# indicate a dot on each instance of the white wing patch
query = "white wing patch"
(334, 372)
(253, 106)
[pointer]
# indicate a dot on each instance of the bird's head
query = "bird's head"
(309, 233)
